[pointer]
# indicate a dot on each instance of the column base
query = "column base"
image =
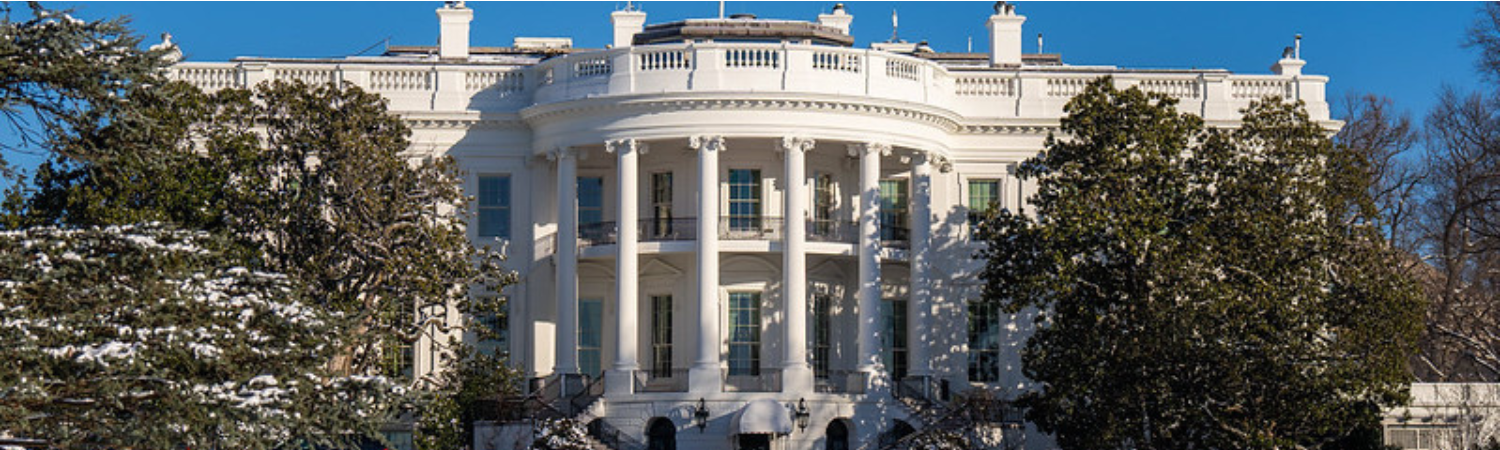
(704, 379)
(797, 378)
(878, 379)
(619, 382)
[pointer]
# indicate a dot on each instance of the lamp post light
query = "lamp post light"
(700, 415)
(800, 414)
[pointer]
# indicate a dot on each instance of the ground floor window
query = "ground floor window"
(821, 342)
(744, 333)
(984, 342)
(590, 336)
(661, 336)
(493, 330)
(895, 337)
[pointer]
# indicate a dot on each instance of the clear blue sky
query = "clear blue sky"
(1406, 51)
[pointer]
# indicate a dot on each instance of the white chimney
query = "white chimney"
(1291, 60)
(839, 19)
(453, 30)
(627, 24)
(1005, 35)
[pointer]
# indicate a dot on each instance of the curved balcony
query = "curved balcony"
(731, 228)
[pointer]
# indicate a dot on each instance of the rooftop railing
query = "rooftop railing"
(1032, 92)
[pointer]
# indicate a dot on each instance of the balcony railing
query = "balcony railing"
(767, 380)
(757, 67)
(843, 382)
(731, 228)
(750, 228)
(654, 381)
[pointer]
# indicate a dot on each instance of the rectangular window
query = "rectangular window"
(984, 342)
(984, 196)
(493, 219)
(823, 204)
(744, 333)
(893, 211)
(493, 330)
(744, 200)
(822, 314)
(895, 340)
(661, 204)
(661, 336)
(590, 336)
(590, 201)
(397, 358)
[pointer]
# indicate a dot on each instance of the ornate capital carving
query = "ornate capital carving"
(706, 143)
(626, 145)
(561, 153)
(872, 148)
(797, 143)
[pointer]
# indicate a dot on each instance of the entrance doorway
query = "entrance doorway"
(755, 442)
(661, 435)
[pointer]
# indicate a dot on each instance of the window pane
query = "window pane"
(590, 201)
(494, 222)
(493, 212)
(744, 333)
(661, 335)
(895, 341)
(590, 335)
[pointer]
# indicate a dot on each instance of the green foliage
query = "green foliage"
(310, 181)
(143, 337)
(1201, 288)
(472, 391)
(62, 78)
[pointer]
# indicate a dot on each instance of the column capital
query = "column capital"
(618, 146)
(797, 143)
(859, 150)
(917, 157)
(561, 153)
(706, 142)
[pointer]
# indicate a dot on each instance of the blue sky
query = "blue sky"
(1403, 50)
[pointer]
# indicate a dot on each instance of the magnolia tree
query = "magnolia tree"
(142, 337)
(1202, 287)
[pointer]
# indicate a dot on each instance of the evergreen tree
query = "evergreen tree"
(1202, 288)
(144, 337)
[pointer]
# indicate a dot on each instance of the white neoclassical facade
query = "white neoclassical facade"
(721, 223)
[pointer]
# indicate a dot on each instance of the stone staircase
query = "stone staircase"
(927, 402)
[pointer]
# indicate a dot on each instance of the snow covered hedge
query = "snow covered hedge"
(147, 338)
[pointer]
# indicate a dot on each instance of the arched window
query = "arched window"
(837, 436)
(661, 435)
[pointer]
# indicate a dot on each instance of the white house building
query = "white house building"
(747, 233)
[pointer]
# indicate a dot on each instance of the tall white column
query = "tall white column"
(797, 374)
(704, 376)
(869, 256)
(567, 259)
(619, 381)
(918, 303)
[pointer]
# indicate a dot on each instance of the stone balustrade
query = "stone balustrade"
(974, 93)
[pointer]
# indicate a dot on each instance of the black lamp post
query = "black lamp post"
(700, 415)
(800, 415)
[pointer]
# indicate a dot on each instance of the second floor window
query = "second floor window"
(823, 204)
(661, 204)
(984, 196)
(590, 200)
(893, 210)
(493, 219)
(744, 199)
